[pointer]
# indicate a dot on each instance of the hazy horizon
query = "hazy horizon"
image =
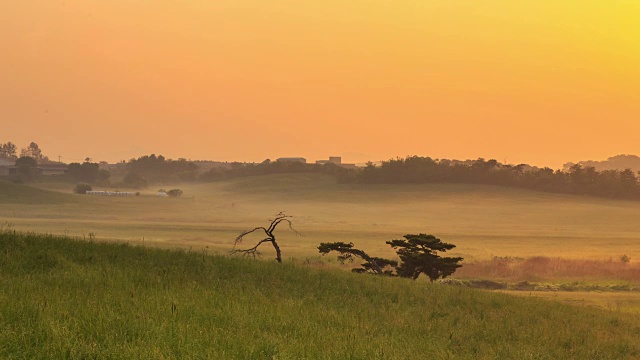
(541, 83)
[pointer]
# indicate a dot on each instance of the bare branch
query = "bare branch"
(238, 239)
(278, 221)
(251, 251)
(280, 217)
(294, 230)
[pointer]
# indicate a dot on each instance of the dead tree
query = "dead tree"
(253, 251)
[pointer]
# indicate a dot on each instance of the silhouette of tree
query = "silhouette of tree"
(27, 168)
(420, 255)
(268, 231)
(33, 151)
(8, 151)
(373, 265)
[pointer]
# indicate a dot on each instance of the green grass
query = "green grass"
(628, 302)
(78, 299)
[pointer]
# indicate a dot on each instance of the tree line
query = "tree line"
(9, 151)
(622, 184)
(268, 167)
(576, 179)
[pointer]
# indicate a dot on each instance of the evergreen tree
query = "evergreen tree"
(420, 255)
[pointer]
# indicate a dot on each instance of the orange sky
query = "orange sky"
(541, 82)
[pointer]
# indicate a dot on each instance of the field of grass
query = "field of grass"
(84, 299)
(627, 302)
(483, 221)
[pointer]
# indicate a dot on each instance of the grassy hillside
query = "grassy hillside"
(22, 194)
(74, 299)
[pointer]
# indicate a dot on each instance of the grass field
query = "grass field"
(63, 299)
(627, 302)
(482, 221)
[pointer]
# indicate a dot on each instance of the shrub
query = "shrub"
(82, 188)
(174, 192)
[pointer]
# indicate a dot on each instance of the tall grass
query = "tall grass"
(69, 299)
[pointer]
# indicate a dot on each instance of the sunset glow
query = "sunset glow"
(540, 82)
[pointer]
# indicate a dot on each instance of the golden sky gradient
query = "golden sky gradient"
(541, 82)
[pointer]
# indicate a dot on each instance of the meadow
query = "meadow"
(579, 239)
(483, 221)
(77, 299)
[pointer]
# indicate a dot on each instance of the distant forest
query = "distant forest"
(604, 179)
(577, 179)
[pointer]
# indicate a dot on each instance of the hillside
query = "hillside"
(24, 194)
(73, 299)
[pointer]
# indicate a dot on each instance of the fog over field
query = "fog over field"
(483, 221)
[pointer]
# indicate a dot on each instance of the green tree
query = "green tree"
(85, 172)
(27, 168)
(8, 151)
(159, 169)
(628, 183)
(420, 255)
(134, 181)
(34, 151)
(103, 176)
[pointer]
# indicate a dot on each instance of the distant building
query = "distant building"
(110, 193)
(52, 169)
(292, 159)
(332, 159)
(7, 170)
(120, 166)
(7, 167)
(337, 160)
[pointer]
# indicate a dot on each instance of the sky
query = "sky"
(540, 82)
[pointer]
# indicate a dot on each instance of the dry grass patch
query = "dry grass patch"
(539, 268)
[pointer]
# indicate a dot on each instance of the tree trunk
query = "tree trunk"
(278, 255)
